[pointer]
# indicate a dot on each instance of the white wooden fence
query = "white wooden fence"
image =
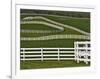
(47, 54)
(82, 51)
(78, 53)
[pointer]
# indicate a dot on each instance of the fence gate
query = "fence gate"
(82, 51)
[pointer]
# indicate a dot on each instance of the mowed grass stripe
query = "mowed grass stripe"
(59, 43)
(36, 27)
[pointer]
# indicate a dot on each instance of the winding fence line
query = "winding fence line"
(42, 22)
(54, 22)
(40, 31)
(66, 36)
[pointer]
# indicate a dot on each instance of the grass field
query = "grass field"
(52, 43)
(76, 23)
(83, 24)
(36, 27)
(49, 43)
(44, 27)
(50, 64)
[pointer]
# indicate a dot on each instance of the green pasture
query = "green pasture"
(60, 43)
(79, 23)
(51, 64)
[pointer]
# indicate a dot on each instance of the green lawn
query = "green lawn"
(50, 64)
(60, 43)
(36, 27)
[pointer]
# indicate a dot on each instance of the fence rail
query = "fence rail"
(47, 54)
(77, 54)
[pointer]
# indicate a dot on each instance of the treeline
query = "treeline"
(62, 13)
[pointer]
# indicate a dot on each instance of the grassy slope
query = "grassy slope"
(83, 24)
(49, 43)
(50, 64)
(44, 27)
(53, 43)
(36, 27)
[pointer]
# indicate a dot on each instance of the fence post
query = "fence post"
(86, 53)
(58, 55)
(77, 52)
(23, 54)
(41, 54)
